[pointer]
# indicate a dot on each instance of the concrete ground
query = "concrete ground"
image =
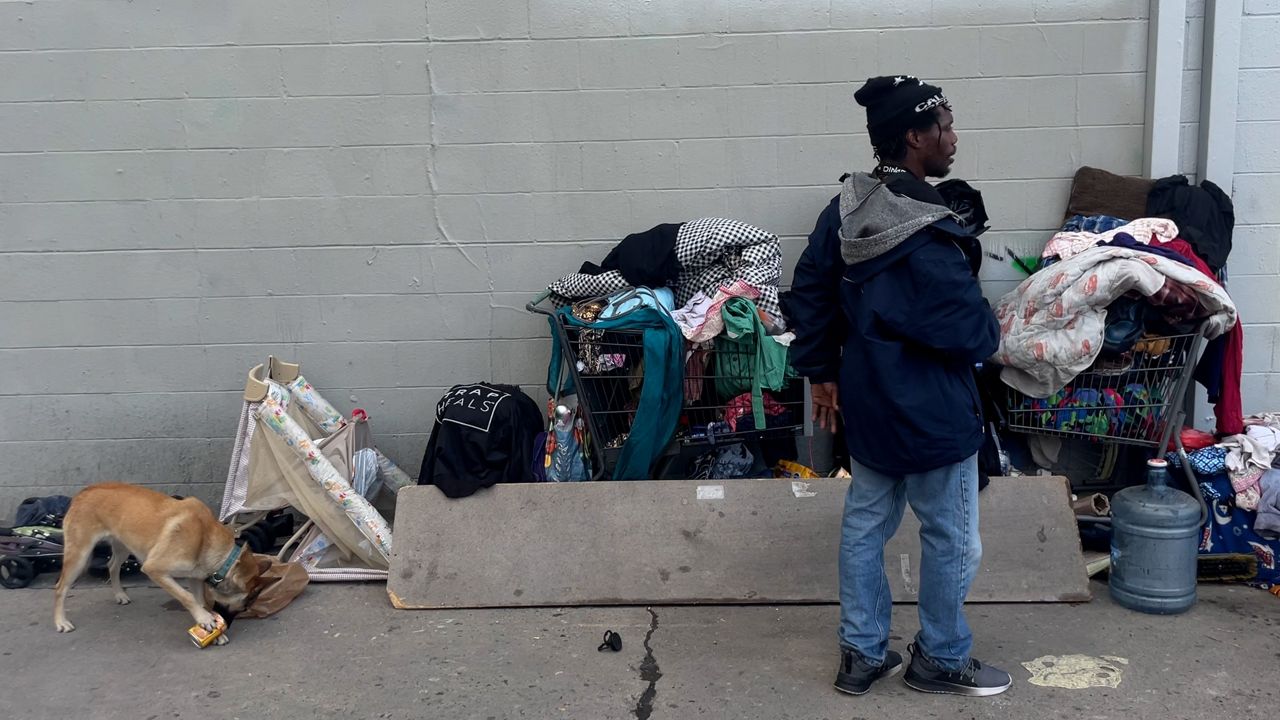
(341, 651)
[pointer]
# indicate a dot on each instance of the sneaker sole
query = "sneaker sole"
(847, 691)
(945, 689)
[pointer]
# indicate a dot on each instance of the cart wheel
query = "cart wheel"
(100, 559)
(100, 563)
(16, 572)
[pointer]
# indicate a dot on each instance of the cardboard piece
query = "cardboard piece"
(678, 542)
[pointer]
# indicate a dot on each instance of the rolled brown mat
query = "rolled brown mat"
(1095, 504)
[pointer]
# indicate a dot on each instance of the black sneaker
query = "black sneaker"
(975, 679)
(856, 674)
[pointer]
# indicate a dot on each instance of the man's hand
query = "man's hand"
(826, 404)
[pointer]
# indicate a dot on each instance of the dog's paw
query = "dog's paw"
(205, 620)
(122, 599)
(64, 626)
(222, 640)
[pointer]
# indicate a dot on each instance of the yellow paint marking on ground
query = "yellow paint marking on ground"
(1076, 672)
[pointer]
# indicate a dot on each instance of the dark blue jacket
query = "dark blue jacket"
(900, 333)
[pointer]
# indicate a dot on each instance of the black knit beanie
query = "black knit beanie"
(892, 101)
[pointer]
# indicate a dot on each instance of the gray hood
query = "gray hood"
(874, 220)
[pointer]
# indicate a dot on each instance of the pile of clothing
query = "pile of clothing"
(1109, 288)
(1251, 461)
(699, 256)
(1131, 410)
(1231, 529)
(704, 294)
(1239, 476)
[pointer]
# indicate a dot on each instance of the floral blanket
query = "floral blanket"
(1051, 325)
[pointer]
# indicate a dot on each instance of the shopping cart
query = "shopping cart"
(1131, 399)
(605, 369)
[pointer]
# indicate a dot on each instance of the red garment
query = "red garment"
(740, 407)
(1228, 409)
(1176, 301)
(1193, 439)
(1183, 248)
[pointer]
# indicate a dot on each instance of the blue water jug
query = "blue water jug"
(1155, 533)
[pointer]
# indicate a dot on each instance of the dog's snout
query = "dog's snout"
(226, 612)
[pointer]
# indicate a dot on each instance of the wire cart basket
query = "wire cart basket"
(1131, 399)
(606, 369)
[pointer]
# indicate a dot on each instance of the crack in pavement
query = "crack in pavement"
(649, 672)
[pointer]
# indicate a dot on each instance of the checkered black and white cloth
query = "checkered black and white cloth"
(712, 252)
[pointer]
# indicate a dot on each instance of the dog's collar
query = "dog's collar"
(217, 578)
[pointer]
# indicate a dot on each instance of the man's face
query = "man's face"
(938, 145)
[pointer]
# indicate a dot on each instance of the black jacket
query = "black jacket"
(1204, 214)
(901, 333)
(483, 435)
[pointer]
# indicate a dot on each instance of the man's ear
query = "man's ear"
(914, 139)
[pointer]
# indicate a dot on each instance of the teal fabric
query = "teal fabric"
(624, 302)
(746, 358)
(661, 394)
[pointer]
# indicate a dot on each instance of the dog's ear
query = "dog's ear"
(264, 563)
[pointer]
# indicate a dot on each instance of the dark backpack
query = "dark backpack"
(48, 511)
(483, 434)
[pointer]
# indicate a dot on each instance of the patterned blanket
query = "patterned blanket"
(712, 252)
(1051, 325)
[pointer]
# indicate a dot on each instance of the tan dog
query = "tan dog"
(171, 538)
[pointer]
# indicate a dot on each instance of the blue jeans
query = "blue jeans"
(946, 503)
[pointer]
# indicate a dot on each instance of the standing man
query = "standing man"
(890, 321)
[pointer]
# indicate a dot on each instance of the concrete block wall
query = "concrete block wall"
(1255, 264)
(651, 118)
(376, 189)
(1254, 268)
(186, 187)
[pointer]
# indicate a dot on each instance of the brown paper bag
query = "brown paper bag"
(284, 582)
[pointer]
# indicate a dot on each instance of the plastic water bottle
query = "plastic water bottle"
(1155, 535)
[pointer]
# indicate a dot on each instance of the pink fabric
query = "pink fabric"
(1247, 482)
(1068, 244)
(740, 407)
(1243, 480)
(701, 326)
(1250, 496)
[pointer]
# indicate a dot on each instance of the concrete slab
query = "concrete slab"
(341, 651)
(673, 542)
